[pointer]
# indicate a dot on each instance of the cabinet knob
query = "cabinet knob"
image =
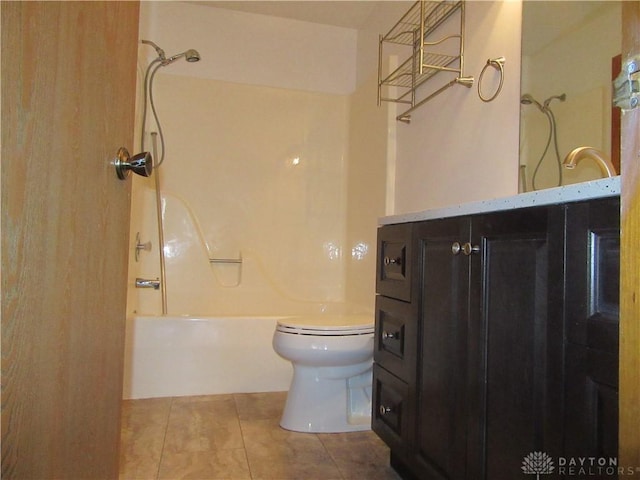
(456, 248)
(389, 335)
(392, 261)
(469, 249)
(384, 410)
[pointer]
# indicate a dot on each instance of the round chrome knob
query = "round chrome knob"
(391, 261)
(456, 248)
(469, 249)
(384, 410)
(141, 163)
(387, 335)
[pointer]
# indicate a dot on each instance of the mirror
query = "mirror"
(569, 51)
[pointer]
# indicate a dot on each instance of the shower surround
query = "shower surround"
(274, 177)
(260, 178)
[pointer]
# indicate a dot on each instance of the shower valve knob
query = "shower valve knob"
(141, 163)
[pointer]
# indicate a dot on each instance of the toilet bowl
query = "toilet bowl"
(332, 358)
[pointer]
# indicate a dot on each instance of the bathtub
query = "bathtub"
(196, 355)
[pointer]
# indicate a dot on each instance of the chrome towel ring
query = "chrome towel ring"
(498, 64)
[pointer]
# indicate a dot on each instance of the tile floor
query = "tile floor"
(237, 437)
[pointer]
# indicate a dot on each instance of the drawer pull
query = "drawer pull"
(384, 410)
(392, 261)
(392, 336)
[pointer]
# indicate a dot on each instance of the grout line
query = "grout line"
(244, 445)
(342, 475)
(164, 439)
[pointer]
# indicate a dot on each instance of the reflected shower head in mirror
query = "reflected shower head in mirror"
(527, 99)
(562, 98)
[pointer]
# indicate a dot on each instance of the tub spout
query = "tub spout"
(577, 154)
(146, 283)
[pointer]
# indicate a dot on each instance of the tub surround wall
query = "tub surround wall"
(258, 156)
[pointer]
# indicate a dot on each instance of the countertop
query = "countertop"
(605, 187)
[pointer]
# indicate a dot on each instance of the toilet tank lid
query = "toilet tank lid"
(329, 322)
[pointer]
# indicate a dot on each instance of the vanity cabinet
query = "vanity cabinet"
(591, 310)
(495, 375)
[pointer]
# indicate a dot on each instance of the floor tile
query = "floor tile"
(144, 424)
(230, 464)
(275, 453)
(359, 455)
(238, 437)
(202, 424)
(260, 406)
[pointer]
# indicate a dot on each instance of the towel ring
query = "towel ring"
(498, 64)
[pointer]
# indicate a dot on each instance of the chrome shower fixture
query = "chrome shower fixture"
(562, 98)
(159, 51)
(190, 55)
(527, 99)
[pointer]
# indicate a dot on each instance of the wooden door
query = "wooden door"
(629, 448)
(68, 95)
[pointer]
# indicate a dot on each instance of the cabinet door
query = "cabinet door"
(515, 344)
(593, 272)
(441, 437)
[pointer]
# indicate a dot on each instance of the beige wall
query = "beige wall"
(458, 148)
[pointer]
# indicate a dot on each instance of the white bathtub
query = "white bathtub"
(177, 356)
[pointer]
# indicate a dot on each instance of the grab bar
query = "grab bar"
(225, 260)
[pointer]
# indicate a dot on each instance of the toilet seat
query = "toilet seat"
(327, 325)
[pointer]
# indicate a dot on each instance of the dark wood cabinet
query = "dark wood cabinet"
(591, 310)
(516, 325)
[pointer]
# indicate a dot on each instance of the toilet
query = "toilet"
(332, 358)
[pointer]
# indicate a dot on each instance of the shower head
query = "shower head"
(190, 55)
(562, 98)
(527, 99)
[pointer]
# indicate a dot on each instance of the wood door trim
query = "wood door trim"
(629, 440)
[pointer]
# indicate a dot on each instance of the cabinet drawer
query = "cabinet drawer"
(393, 271)
(396, 337)
(391, 408)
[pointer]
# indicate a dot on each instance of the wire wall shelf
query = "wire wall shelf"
(428, 55)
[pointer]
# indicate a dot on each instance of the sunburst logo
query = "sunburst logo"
(537, 463)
